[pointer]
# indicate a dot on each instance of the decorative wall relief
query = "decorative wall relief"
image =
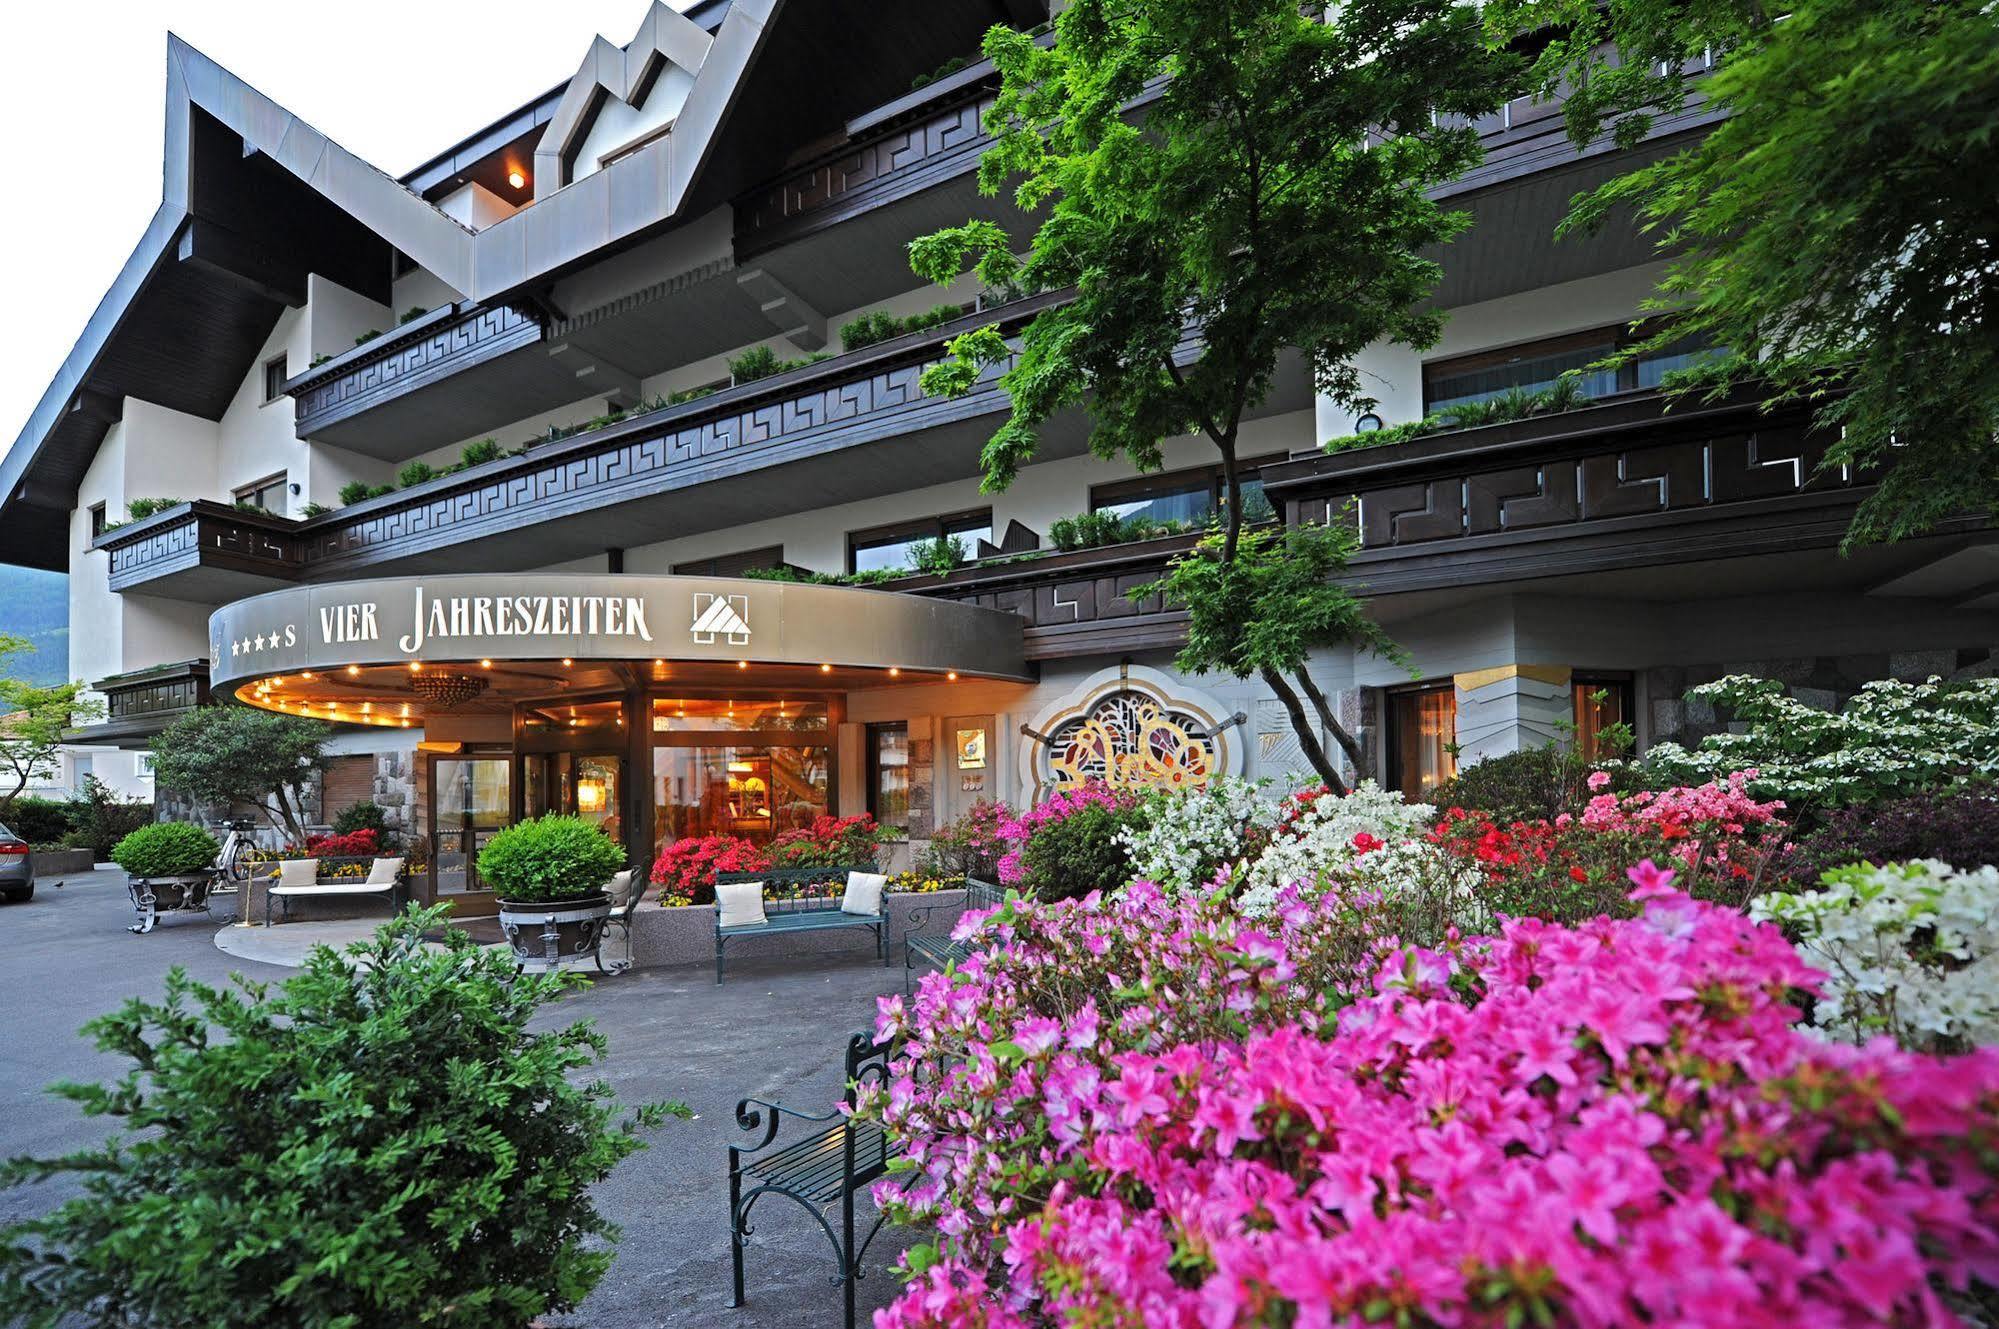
(1131, 728)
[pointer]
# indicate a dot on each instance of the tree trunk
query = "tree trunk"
(1315, 751)
(1232, 488)
(292, 825)
(1346, 740)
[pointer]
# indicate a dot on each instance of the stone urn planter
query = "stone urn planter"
(550, 875)
(153, 896)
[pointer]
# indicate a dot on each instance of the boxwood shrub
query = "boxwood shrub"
(165, 849)
(549, 858)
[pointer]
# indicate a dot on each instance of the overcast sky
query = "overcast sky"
(395, 81)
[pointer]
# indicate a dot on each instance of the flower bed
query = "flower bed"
(685, 869)
(1614, 1122)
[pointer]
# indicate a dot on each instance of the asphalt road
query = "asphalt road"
(673, 1034)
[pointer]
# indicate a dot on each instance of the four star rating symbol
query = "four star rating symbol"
(250, 645)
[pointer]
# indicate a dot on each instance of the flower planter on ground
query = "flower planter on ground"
(549, 874)
(153, 896)
(544, 933)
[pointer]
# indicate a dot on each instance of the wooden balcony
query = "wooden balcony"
(203, 551)
(140, 704)
(1623, 483)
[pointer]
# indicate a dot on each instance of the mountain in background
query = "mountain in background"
(35, 605)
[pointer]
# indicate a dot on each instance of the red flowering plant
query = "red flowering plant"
(1722, 842)
(685, 870)
(1615, 1123)
(364, 843)
(829, 842)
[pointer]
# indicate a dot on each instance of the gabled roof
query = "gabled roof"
(214, 270)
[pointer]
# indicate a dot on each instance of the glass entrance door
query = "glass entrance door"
(471, 799)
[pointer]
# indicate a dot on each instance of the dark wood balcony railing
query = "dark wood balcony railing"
(425, 350)
(1622, 483)
(140, 704)
(863, 397)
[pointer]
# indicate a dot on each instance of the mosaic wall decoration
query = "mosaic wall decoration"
(1131, 740)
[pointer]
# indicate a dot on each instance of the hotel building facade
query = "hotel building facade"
(458, 463)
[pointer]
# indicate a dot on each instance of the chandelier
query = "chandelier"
(445, 691)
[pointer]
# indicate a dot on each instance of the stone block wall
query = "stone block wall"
(1823, 681)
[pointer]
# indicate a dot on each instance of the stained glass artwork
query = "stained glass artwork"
(1130, 740)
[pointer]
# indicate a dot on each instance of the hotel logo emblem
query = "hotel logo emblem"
(725, 616)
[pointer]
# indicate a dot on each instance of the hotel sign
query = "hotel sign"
(605, 617)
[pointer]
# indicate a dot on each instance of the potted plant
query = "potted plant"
(168, 865)
(550, 875)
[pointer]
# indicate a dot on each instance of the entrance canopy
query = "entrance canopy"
(393, 651)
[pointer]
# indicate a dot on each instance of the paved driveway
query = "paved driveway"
(673, 1034)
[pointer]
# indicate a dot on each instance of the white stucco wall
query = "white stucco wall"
(1394, 374)
(618, 124)
(476, 206)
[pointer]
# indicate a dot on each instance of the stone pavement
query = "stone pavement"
(673, 1033)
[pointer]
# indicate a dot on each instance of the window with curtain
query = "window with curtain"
(888, 774)
(1422, 730)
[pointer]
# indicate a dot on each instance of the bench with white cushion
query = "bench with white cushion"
(298, 879)
(761, 904)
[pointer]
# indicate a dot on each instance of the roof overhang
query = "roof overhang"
(362, 652)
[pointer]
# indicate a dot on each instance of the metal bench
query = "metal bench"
(936, 948)
(825, 1167)
(787, 908)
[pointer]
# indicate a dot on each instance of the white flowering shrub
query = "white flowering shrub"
(1187, 835)
(1911, 950)
(1318, 838)
(1892, 739)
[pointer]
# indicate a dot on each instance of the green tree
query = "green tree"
(1251, 169)
(1837, 231)
(379, 1141)
(237, 754)
(33, 720)
(1262, 612)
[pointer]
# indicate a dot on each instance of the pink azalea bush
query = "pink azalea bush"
(1138, 1112)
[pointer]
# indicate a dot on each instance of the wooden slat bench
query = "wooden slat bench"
(787, 909)
(936, 949)
(836, 1159)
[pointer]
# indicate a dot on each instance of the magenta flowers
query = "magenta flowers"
(1145, 1113)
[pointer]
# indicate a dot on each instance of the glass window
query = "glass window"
(276, 371)
(887, 547)
(746, 791)
(674, 715)
(268, 494)
(1527, 369)
(98, 521)
(732, 565)
(888, 774)
(1188, 497)
(1422, 733)
(1599, 704)
(1185, 501)
(1680, 353)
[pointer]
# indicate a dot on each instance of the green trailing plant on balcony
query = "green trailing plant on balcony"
(478, 454)
(416, 473)
(1094, 530)
(1564, 394)
(1834, 228)
(875, 327)
(412, 314)
(359, 491)
(685, 395)
(807, 577)
(367, 336)
(939, 555)
(314, 510)
(318, 360)
(762, 362)
(389, 1136)
(1253, 195)
(945, 70)
(141, 508)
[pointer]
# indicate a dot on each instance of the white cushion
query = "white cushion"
(864, 893)
(298, 872)
(741, 903)
(619, 888)
(382, 872)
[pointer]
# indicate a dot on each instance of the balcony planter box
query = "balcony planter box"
(665, 936)
(547, 932)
